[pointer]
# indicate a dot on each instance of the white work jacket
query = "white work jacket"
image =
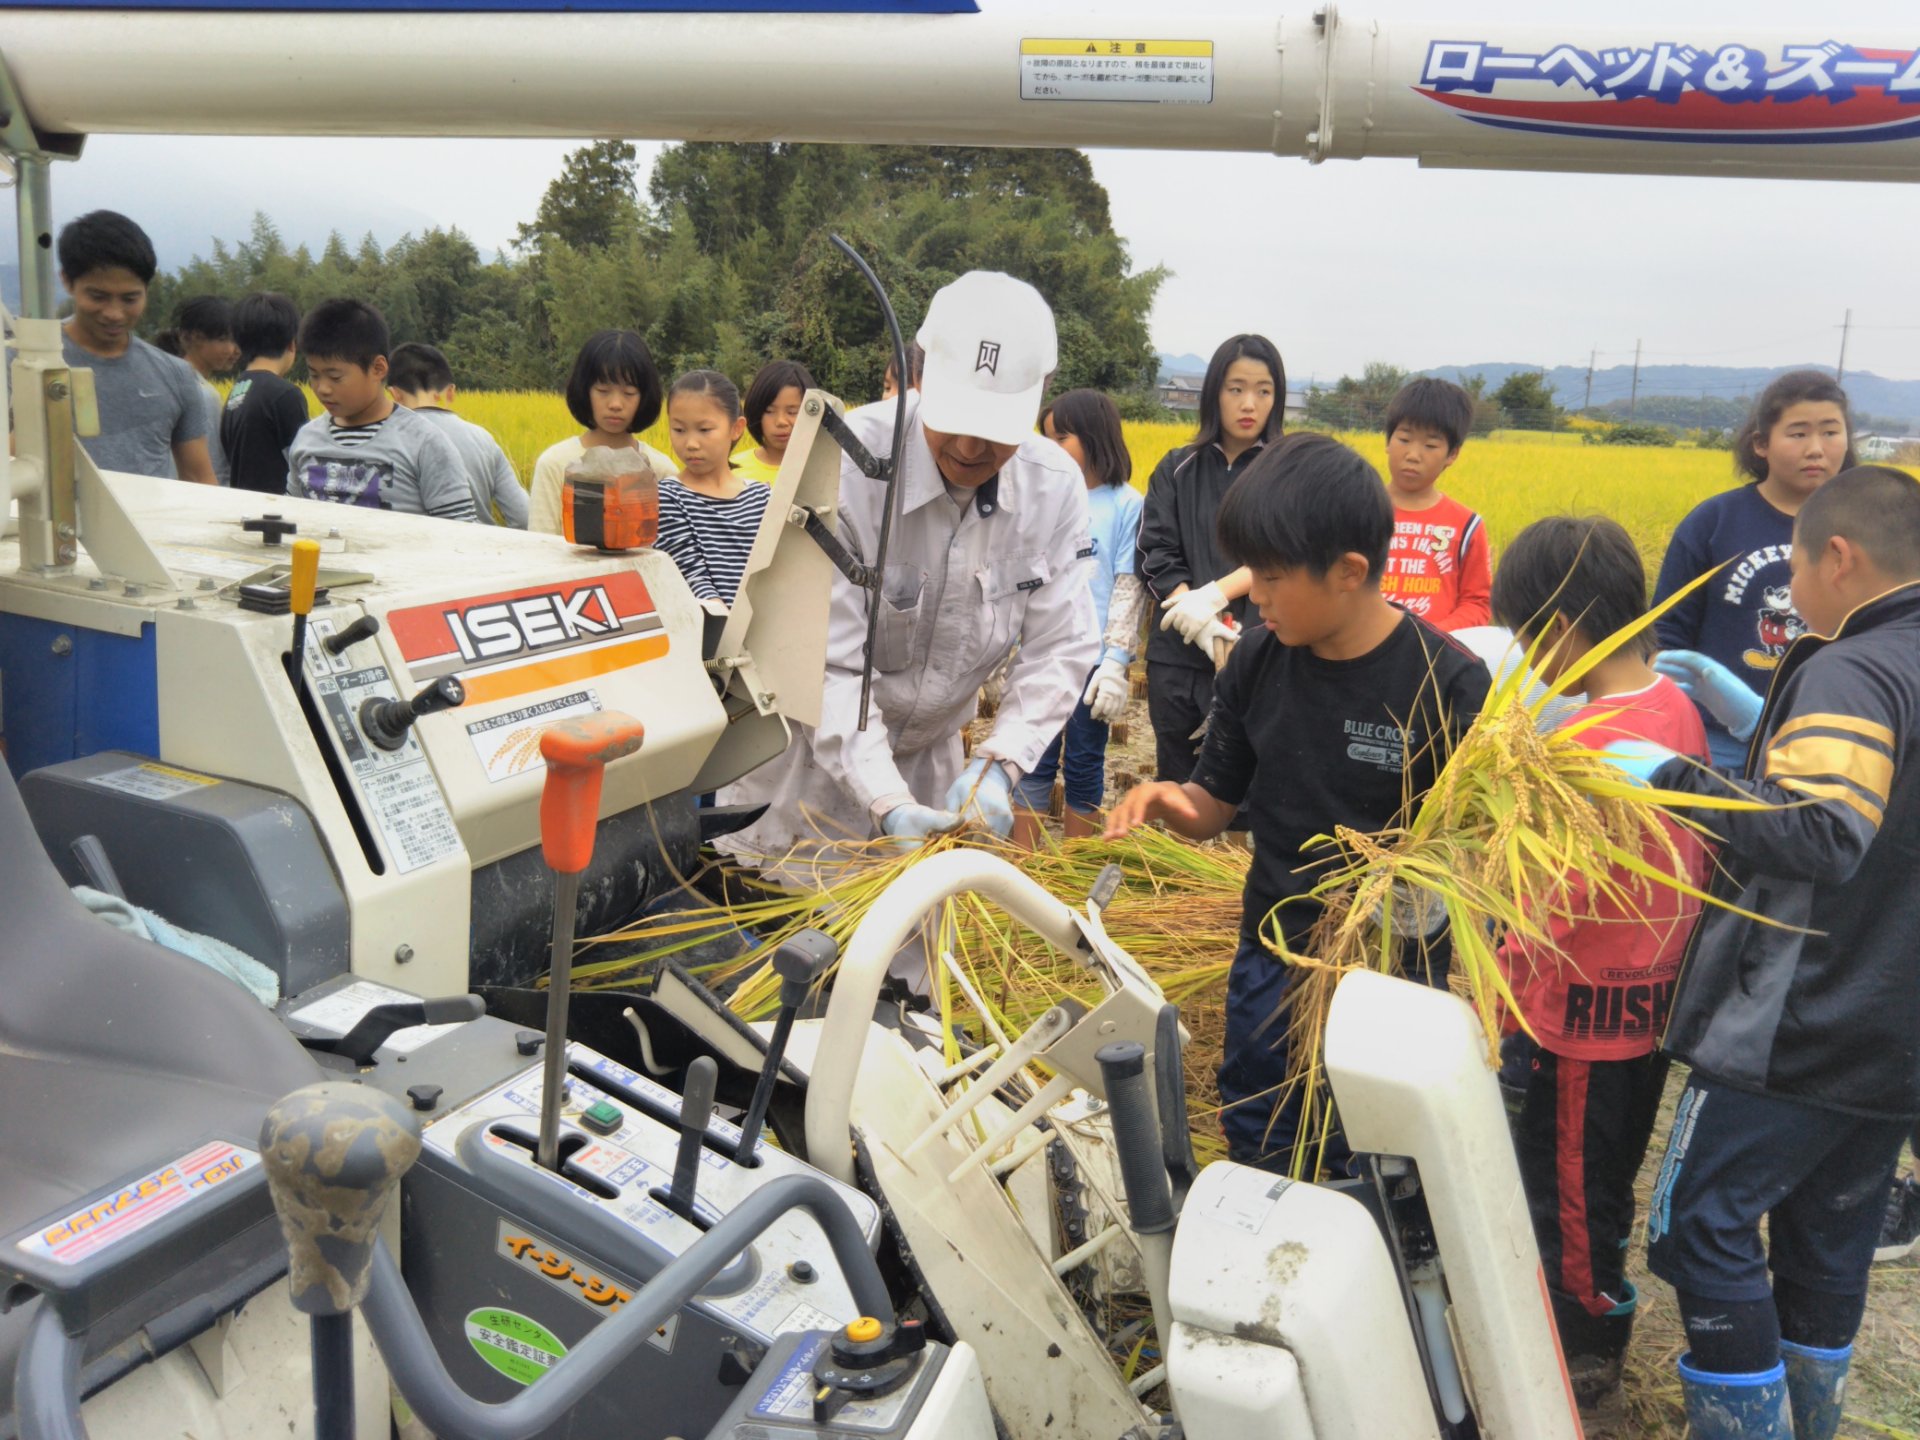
(961, 588)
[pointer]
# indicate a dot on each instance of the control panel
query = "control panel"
(631, 1198)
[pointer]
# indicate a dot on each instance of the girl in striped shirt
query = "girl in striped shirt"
(709, 514)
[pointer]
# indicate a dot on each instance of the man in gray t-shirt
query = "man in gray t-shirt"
(153, 419)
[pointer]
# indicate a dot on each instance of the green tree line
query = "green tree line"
(726, 262)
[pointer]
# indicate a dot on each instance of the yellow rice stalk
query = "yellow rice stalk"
(1511, 815)
(1177, 913)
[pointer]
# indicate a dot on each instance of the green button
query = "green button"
(602, 1117)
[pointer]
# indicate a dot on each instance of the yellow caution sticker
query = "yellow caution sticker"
(152, 781)
(1138, 72)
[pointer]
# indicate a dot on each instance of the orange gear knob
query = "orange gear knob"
(577, 752)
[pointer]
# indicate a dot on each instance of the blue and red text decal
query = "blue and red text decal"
(1822, 93)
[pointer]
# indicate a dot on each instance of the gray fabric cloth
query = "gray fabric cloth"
(150, 401)
(401, 463)
(489, 471)
(215, 451)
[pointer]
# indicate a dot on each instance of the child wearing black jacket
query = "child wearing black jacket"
(1804, 1034)
(1242, 407)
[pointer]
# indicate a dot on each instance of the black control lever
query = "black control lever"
(386, 722)
(696, 1108)
(799, 963)
(372, 1029)
(365, 628)
(1170, 1084)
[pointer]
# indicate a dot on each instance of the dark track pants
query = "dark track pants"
(1580, 1137)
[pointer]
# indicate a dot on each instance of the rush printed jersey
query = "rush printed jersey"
(1437, 566)
(1602, 991)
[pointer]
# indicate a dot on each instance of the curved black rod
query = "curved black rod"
(892, 477)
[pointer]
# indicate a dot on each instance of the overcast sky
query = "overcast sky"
(1340, 263)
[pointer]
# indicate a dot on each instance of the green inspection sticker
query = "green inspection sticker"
(520, 1349)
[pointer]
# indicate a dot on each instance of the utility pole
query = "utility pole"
(1840, 370)
(1633, 400)
(1592, 355)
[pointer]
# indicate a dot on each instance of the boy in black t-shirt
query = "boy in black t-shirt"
(264, 410)
(1337, 710)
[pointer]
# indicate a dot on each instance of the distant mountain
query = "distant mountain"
(1870, 394)
(1171, 365)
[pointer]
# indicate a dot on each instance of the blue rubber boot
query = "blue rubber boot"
(1816, 1387)
(1736, 1407)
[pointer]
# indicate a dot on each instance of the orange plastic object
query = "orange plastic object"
(306, 571)
(864, 1329)
(577, 752)
(621, 512)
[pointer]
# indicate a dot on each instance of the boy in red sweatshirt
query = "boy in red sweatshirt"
(1595, 997)
(1437, 566)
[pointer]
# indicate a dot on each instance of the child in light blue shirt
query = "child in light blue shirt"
(1086, 424)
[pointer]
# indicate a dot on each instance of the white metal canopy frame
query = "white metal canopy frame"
(1698, 100)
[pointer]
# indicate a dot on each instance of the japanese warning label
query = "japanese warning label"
(1142, 72)
(509, 744)
(403, 799)
(153, 781)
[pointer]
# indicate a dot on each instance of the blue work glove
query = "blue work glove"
(983, 795)
(914, 823)
(1637, 759)
(1714, 688)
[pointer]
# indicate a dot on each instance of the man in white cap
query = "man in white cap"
(990, 549)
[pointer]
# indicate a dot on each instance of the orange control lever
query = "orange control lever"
(577, 752)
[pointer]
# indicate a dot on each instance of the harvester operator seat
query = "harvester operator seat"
(136, 1080)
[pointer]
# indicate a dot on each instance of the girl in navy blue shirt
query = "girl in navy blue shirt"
(1734, 630)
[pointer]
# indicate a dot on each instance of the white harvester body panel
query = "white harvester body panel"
(1410, 1076)
(1284, 1300)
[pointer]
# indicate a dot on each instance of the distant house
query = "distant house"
(1879, 447)
(1182, 392)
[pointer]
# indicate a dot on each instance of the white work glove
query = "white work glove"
(1714, 688)
(1638, 760)
(912, 823)
(1193, 612)
(1108, 691)
(983, 795)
